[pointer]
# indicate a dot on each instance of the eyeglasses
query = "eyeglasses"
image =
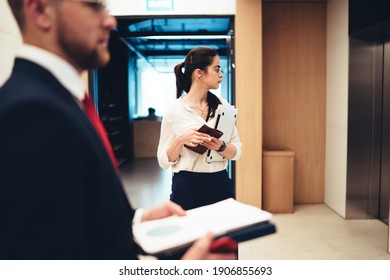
(100, 6)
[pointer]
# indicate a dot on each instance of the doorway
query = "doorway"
(140, 75)
(368, 177)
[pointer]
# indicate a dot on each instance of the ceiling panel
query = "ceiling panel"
(173, 36)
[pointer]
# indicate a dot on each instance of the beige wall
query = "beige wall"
(10, 41)
(336, 105)
(248, 40)
(294, 66)
(249, 95)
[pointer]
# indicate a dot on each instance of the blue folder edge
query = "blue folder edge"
(252, 232)
(239, 235)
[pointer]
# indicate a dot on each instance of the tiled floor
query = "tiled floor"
(312, 232)
(146, 184)
(315, 232)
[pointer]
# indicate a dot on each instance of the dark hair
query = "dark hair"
(197, 58)
(18, 12)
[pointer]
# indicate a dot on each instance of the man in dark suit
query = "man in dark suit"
(60, 193)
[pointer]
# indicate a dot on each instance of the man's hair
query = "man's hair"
(17, 9)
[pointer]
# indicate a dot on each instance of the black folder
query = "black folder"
(239, 235)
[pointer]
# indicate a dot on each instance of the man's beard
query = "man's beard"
(85, 59)
(77, 53)
(76, 49)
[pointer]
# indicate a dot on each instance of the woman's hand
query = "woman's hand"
(193, 138)
(214, 144)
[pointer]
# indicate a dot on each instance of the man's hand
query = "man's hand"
(201, 251)
(164, 210)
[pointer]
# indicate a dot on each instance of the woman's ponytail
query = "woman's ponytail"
(179, 79)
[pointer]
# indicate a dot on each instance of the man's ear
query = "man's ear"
(39, 13)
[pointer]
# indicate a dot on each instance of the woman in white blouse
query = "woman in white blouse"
(195, 182)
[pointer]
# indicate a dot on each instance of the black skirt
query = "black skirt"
(194, 189)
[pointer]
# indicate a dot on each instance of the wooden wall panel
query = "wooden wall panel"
(84, 76)
(294, 81)
(248, 40)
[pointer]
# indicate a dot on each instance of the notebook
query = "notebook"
(229, 217)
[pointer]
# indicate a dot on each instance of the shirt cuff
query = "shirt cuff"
(238, 151)
(164, 162)
(138, 216)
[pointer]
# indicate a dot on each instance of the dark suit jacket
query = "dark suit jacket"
(60, 197)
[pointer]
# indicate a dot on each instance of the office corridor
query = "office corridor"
(312, 232)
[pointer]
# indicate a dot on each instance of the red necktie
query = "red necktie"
(93, 117)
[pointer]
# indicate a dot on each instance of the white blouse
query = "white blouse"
(179, 117)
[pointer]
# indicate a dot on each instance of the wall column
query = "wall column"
(248, 40)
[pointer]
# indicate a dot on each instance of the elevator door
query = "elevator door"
(368, 175)
(384, 192)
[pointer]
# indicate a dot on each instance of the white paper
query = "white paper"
(219, 218)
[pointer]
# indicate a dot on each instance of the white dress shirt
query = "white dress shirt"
(179, 118)
(64, 72)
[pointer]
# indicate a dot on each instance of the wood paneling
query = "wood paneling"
(248, 39)
(146, 137)
(278, 181)
(294, 81)
(84, 76)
